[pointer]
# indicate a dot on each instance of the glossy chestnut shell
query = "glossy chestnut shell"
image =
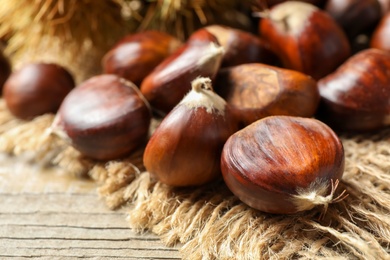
(241, 47)
(36, 89)
(5, 70)
(186, 147)
(356, 96)
(136, 55)
(104, 118)
(275, 160)
(170, 81)
(306, 38)
(256, 90)
(380, 38)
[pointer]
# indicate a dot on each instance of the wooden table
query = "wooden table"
(47, 214)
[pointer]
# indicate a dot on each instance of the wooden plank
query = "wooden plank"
(46, 214)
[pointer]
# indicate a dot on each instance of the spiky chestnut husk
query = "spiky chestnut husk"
(284, 164)
(104, 118)
(185, 149)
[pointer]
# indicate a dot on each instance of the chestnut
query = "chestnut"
(168, 83)
(385, 6)
(185, 148)
(354, 16)
(271, 3)
(241, 47)
(36, 89)
(136, 55)
(5, 70)
(257, 90)
(380, 38)
(356, 96)
(105, 117)
(306, 38)
(284, 164)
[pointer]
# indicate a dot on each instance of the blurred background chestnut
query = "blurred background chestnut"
(136, 55)
(306, 38)
(5, 69)
(356, 96)
(36, 89)
(355, 16)
(242, 47)
(381, 37)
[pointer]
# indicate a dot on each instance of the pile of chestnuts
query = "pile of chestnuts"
(260, 111)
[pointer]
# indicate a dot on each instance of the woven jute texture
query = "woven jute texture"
(209, 222)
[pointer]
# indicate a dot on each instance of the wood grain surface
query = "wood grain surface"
(46, 214)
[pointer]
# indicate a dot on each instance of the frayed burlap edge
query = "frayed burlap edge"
(209, 222)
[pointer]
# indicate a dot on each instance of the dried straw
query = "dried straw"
(211, 223)
(73, 33)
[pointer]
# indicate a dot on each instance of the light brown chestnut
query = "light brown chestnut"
(241, 47)
(136, 55)
(36, 89)
(306, 38)
(284, 164)
(256, 90)
(171, 80)
(354, 16)
(186, 147)
(356, 96)
(104, 118)
(380, 38)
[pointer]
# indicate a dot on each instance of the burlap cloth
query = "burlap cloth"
(209, 222)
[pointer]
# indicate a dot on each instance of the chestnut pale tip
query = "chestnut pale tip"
(317, 194)
(210, 54)
(293, 24)
(202, 95)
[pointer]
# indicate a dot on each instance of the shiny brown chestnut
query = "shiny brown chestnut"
(306, 38)
(284, 164)
(354, 16)
(380, 38)
(356, 96)
(257, 90)
(241, 47)
(185, 149)
(168, 83)
(104, 118)
(5, 70)
(319, 3)
(385, 6)
(36, 89)
(136, 55)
